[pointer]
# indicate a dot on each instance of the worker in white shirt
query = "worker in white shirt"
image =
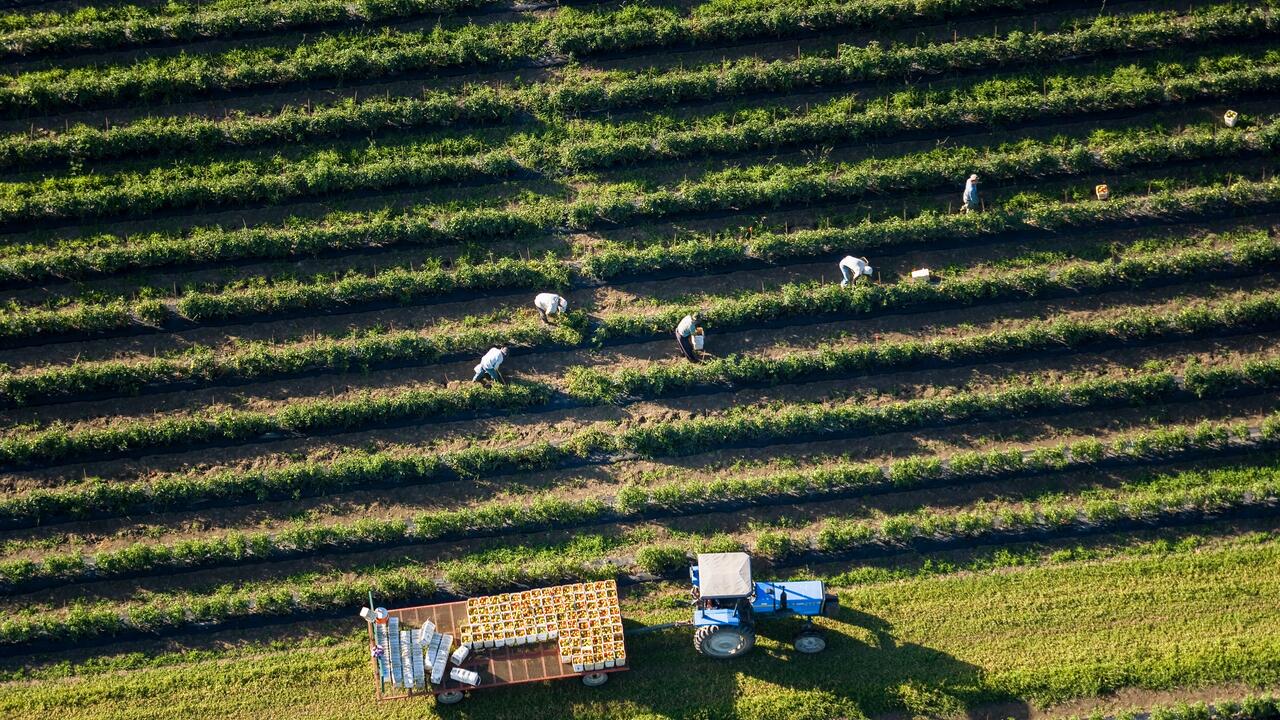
(853, 268)
(549, 304)
(684, 336)
(970, 196)
(489, 365)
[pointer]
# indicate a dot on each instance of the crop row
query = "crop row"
(1165, 496)
(757, 187)
(576, 92)
(697, 252)
(750, 426)
(403, 286)
(365, 56)
(399, 286)
(59, 443)
(1146, 500)
(591, 383)
(102, 29)
(62, 444)
(592, 146)
(1249, 252)
(101, 499)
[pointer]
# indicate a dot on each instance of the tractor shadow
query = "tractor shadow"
(865, 672)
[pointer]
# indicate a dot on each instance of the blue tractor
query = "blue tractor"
(727, 601)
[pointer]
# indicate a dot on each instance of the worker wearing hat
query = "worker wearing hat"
(489, 365)
(853, 268)
(549, 304)
(971, 194)
(684, 335)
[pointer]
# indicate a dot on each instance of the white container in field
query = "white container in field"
(699, 339)
(921, 274)
(460, 655)
(470, 677)
(1230, 118)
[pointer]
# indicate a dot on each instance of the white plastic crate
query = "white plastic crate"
(406, 659)
(459, 656)
(394, 657)
(469, 677)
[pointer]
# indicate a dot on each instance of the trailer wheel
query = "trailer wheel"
(450, 697)
(810, 641)
(595, 679)
(723, 641)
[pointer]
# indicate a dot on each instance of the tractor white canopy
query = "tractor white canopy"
(724, 575)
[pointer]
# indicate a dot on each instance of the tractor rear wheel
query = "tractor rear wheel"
(810, 641)
(723, 641)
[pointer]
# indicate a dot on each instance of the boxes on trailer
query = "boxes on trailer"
(583, 617)
(459, 656)
(465, 676)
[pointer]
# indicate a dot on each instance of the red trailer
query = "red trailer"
(496, 666)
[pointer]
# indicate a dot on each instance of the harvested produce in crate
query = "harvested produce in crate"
(583, 617)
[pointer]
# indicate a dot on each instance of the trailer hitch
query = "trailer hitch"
(646, 629)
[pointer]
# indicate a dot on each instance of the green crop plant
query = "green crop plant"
(104, 28)
(576, 92)
(363, 56)
(591, 146)
(60, 443)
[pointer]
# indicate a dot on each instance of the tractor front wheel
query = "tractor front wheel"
(810, 641)
(595, 679)
(723, 641)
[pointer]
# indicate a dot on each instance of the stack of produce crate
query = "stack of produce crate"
(584, 617)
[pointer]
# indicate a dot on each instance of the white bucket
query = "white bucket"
(1230, 118)
(699, 341)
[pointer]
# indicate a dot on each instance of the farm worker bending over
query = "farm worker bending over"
(853, 268)
(550, 304)
(489, 365)
(970, 194)
(684, 335)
